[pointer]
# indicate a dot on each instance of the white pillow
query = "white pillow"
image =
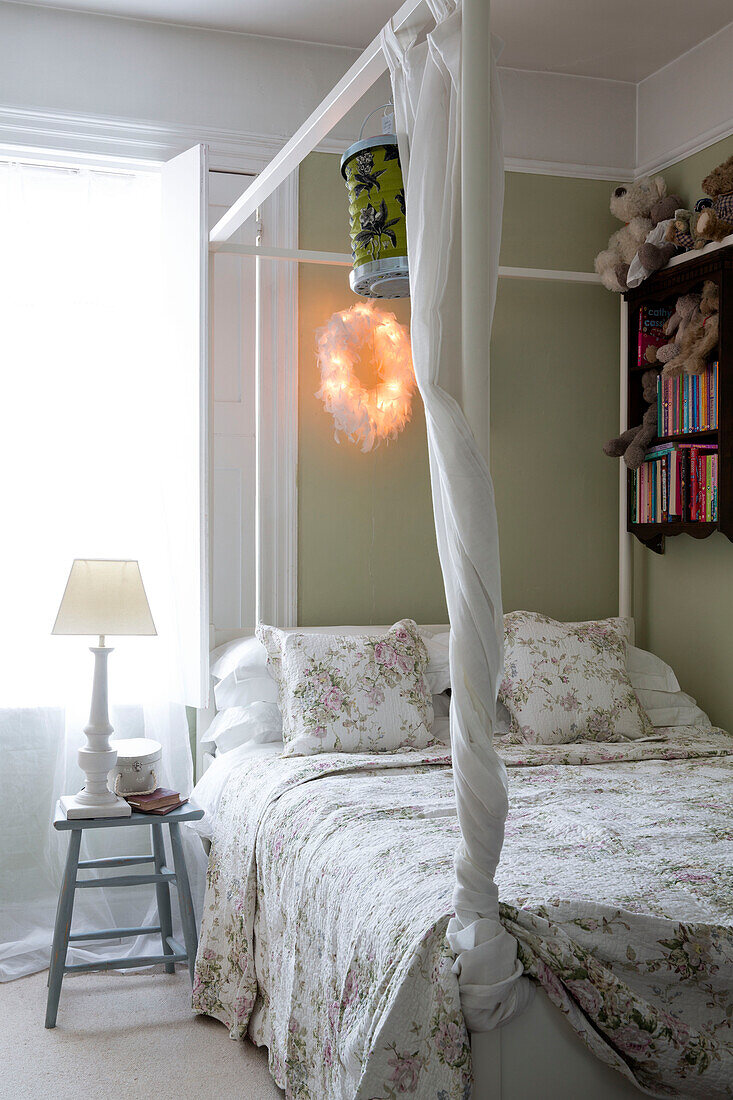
(441, 705)
(351, 693)
(658, 691)
(646, 670)
(438, 670)
(567, 682)
(233, 692)
(247, 656)
(671, 708)
(259, 724)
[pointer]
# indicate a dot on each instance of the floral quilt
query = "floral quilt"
(329, 890)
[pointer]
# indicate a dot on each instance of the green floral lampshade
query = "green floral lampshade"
(373, 176)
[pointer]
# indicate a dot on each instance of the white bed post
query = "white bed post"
(475, 221)
(625, 567)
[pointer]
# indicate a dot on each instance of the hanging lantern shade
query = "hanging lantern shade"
(371, 168)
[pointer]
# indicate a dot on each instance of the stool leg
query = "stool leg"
(63, 926)
(184, 896)
(55, 923)
(163, 892)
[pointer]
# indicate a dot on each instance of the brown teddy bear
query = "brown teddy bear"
(631, 203)
(686, 309)
(633, 443)
(717, 222)
(700, 337)
(683, 230)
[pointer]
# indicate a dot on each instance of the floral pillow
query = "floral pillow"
(351, 693)
(568, 681)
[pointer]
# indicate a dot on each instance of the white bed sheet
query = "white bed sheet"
(209, 789)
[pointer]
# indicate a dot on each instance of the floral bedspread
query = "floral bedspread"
(329, 890)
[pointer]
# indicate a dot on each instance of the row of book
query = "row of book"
(688, 403)
(676, 482)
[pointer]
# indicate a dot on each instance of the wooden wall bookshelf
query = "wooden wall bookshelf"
(683, 277)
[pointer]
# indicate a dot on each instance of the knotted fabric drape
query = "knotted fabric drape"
(426, 82)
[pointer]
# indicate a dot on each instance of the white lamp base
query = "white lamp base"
(96, 758)
(74, 808)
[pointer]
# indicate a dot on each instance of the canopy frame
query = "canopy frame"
(365, 71)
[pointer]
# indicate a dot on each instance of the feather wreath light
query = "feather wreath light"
(366, 416)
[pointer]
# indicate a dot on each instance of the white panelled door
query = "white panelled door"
(185, 268)
(234, 458)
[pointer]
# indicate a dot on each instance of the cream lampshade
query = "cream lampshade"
(101, 597)
(104, 597)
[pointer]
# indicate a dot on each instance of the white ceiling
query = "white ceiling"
(618, 39)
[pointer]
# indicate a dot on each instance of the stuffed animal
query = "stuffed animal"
(656, 251)
(717, 222)
(630, 203)
(683, 230)
(686, 309)
(700, 337)
(633, 443)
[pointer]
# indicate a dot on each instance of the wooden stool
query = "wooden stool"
(162, 878)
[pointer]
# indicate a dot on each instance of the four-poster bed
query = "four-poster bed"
(449, 132)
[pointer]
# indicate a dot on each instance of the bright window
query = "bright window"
(99, 458)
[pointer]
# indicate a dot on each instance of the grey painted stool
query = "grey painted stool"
(162, 878)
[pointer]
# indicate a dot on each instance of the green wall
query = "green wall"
(684, 598)
(366, 543)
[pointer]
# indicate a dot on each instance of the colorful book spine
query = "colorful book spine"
(688, 404)
(676, 482)
(652, 319)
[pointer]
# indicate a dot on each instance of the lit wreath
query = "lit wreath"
(366, 416)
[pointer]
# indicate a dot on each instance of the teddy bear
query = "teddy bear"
(631, 203)
(656, 251)
(700, 337)
(684, 231)
(686, 309)
(633, 443)
(716, 222)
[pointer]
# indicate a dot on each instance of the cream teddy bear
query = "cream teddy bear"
(630, 203)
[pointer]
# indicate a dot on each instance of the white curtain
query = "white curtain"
(88, 405)
(426, 82)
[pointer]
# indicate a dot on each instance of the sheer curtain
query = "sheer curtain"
(88, 419)
(426, 82)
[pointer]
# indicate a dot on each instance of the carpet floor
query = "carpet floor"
(130, 1036)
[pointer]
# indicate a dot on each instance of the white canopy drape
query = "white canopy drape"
(426, 82)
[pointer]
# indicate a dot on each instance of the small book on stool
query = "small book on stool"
(160, 801)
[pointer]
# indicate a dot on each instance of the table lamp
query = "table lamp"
(101, 597)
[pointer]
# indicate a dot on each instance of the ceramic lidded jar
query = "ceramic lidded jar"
(371, 168)
(137, 767)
